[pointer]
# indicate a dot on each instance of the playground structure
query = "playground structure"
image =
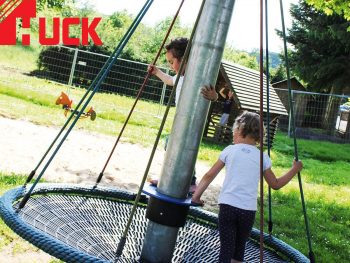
(75, 223)
(81, 224)
(66, 103)
(245, 84)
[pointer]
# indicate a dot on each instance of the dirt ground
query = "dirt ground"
(80, 160)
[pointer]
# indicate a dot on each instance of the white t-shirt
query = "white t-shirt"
(178, 88)
(240, 187)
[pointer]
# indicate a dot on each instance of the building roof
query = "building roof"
(283, 84)
(245, 83)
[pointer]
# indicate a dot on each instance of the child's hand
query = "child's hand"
(152, 69)
(297, 166)
(209, 93)
(197, 202)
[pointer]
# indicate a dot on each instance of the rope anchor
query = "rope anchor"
(66, 103)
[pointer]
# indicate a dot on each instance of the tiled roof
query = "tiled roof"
(245, 83)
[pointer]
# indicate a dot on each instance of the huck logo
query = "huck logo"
(11, 10)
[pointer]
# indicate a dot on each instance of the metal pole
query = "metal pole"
(70, 81)
(290, 115)
(293, 128)
(161, 102)
(190, 118)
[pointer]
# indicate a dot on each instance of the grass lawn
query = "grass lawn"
(325, 178)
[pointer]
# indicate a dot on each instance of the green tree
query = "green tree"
(278, 74)
(112, 28)
(145, 42)
(56, 4)
(321, 52)
(240, 57)
(53, 8)
(274, 58)
(330, 7)
(277, 70)
(155, 36)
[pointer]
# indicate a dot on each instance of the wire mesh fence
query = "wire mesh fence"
(78, 68)
(317, 116)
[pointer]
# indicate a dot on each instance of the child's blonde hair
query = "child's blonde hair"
(248, 124)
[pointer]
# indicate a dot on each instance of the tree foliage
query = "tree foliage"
(240, 57)
(274, 58)
(321, 48)
(276, 70)
(55, 4)
(142, 46)
(145, 42)
(278, 74)
(330, 7)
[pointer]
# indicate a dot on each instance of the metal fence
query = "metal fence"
(78, 68)
(317, 116)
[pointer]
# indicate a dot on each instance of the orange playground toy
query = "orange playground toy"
(66, 103)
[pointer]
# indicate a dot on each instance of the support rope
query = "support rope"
(149, 73)
(261, 243)
(311, 253)
(114, 54)
(97, 86)
(181, 70)
(270, 223)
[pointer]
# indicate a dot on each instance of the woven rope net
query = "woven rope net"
(78, 224)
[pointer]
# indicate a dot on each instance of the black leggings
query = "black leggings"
(235, 225)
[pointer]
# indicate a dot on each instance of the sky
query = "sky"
(244, 29)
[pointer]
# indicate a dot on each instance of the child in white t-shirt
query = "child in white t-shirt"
(238, 196)
(175, 50)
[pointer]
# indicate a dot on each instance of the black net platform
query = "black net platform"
(82, 224)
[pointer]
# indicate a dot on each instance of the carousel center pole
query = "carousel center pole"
(203, 66)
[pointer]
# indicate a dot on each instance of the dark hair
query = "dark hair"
(248, 124)
(177, 47)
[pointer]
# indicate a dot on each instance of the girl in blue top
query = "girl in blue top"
(238, 196)
(227, 94)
